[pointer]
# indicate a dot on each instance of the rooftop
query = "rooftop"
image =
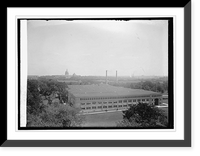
(106, 90)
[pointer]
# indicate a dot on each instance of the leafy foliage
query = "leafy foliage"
(49, 88)
(34, 102)
(54, 114)
(143, 115)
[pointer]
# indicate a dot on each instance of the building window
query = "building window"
(110, 102)
(93, 107)
(115, 102)
(93, 102)
(115, 106)
(104, 106)
(138, 100)
(125, 101)
(88, 107)
(129, 100)
(99, 106)
(88, 103)
(120, 106)
(105, 102)
(100, 102)
(143, 99)
(82, 103)
(124, 105)
(120, 101)
(147, 99)
(83, 108)
(129, 105)
(109, 106)
(134, 100)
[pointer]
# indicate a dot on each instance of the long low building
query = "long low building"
(103, 97)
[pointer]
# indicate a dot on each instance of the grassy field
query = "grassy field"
(108, 119)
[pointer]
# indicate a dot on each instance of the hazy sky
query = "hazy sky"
(90, 47)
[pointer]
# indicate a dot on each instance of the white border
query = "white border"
(177, 134)
(23, 74)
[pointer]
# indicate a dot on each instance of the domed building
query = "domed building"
(67, 74)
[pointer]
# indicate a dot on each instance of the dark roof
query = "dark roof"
(106, 90)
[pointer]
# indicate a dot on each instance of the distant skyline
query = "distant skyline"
(90, 47)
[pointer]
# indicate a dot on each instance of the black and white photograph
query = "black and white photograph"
(98, 77)
(97, 73)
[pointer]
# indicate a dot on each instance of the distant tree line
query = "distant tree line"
(51, 114)
(155, 86)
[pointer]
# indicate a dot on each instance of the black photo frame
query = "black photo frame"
(5, 142)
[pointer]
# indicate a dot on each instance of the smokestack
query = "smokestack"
(116, 77)
(106, 78)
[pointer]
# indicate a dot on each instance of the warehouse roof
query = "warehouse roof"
(106, 90)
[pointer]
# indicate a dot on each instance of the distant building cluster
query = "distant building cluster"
(104, 97)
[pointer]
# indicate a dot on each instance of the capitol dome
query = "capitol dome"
(67, 74)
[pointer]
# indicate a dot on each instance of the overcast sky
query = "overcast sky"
(91, 47)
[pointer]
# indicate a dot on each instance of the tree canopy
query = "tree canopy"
(52, 114)
(143, 115)
(34, 102)
(56, 115)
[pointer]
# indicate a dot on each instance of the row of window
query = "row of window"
(100, 107)
(120, 101)
(101, 98)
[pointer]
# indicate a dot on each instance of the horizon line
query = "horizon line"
(102, 75)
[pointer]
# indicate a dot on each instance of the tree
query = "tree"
(143, 115)
(34, 102)
(50, 88)
(57, 116)
(54, 114)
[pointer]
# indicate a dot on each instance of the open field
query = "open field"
(108, 119)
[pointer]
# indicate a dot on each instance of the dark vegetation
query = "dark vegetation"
(52, 114)
(143, 115)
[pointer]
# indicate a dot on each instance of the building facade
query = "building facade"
(96, 98)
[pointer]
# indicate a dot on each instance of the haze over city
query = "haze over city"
(90, 47)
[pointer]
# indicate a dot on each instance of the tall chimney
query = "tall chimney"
(106, 78)
(116, 77)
